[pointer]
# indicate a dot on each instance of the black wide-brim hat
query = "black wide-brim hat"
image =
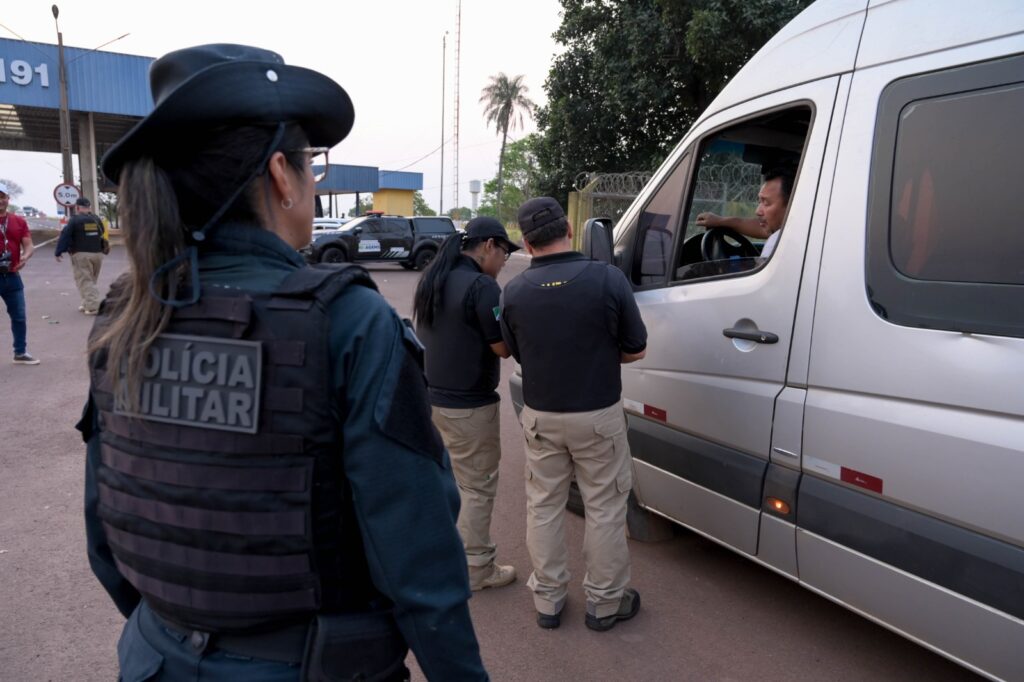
(212, 85)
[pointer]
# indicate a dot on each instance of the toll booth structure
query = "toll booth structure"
(107, 94)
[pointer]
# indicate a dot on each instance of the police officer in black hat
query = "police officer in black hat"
(456, 313)
(570, 322)
(266, 497)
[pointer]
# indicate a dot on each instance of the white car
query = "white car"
(322, 225)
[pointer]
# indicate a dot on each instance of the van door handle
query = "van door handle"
(759, 337)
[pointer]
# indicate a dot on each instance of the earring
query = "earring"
(286, 204)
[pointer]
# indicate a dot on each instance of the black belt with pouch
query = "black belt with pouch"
(352, 647)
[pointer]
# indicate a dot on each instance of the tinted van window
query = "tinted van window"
(945, 239)
(957, 214)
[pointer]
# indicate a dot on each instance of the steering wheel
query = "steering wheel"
(721, 243)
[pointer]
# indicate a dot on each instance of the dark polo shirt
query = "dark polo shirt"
(462, 370)
(567, 319)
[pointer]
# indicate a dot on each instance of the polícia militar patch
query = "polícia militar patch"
(200, 381)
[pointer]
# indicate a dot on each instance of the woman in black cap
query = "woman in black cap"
(456, 314)
(265, 495)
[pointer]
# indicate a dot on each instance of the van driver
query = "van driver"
(772, 202)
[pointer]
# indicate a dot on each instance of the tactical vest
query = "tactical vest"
(221, 490)
(458, 359)
(86, 234)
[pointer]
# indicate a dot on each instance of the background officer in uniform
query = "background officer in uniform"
(456, 313)
(83, 238)
(266, 496)
(570, 322)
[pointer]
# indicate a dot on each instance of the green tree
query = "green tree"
(365, 204)
(420, 206)
(505, 101)
(520, 179)
(635, 75)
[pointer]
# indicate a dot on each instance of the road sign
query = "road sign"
(66, 195)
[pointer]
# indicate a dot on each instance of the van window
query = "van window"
(733, 167)
(957, 214)
(657, 226)
(945, 243)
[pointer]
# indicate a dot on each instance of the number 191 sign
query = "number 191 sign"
(66, 195)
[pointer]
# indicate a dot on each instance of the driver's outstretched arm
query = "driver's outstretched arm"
(748, 227)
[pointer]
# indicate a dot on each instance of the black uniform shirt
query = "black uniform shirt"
(567, 320)
(462, 370)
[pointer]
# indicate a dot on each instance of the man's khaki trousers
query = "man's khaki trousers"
(593, 446)
(473, 439)
(86, 268)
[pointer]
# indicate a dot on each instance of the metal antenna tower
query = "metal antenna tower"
(455, 136)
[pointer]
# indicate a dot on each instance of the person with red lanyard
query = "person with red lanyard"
(15, 250)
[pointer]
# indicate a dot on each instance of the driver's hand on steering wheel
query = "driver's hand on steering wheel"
(708, 220)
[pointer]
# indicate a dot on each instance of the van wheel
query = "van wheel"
(333, 254)
(575, 501)
(643, 526)
(407, 265)
(423, 258)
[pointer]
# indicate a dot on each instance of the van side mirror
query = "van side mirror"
(597, 239)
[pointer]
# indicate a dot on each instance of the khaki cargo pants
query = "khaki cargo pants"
(593, 446)
(86, 268)
(473, 439)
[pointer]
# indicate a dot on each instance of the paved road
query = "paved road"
(707, 613)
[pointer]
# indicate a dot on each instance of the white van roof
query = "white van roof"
(833, 36)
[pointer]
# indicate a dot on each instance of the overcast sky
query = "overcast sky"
(385, 53)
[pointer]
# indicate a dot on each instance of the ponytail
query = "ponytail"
(426, 304)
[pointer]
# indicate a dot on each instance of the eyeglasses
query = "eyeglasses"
(505, 250)
(318, 163)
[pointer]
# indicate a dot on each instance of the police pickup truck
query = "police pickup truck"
(410, 242)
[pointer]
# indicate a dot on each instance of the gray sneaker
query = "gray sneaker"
(25, 359)
(628, 607)
(493, 575)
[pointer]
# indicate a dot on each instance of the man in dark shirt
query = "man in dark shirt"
(570, 322)
(83, 238)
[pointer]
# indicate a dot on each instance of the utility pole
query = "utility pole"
(455, 136)
(444, 54)
(65, 114)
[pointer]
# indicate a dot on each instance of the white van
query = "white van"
(850, 410)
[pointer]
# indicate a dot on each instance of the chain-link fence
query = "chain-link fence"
(726, 185)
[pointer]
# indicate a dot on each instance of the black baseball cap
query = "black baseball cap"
(536, 213)
(83, 201)
(485, 228)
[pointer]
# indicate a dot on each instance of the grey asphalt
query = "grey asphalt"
(708, 614)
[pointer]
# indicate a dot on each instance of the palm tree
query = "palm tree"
(505, 99)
